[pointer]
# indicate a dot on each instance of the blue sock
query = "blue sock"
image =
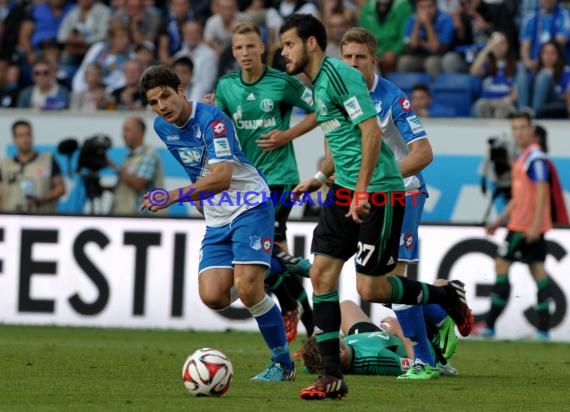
(412, 320)
(276, 266)
(268, 318)
(434, 313)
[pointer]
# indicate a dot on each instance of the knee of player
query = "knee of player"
(215, 300)
(373, 289)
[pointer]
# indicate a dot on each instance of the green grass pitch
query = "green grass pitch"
(82, 369)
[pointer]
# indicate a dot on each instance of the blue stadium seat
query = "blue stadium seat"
(407, 80)
(456, 90)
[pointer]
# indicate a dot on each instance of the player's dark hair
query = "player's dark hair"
(158, 76)
(312, 356)
(307, 26)
(360, 36)
(522, 115)
(20, 122)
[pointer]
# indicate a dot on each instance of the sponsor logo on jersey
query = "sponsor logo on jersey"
(408, 240)
(352, 107)
(219, 128)
(415, 124)
(222, 147)
(250, 97)
(405, 104)
(172, 138)
(266, 105)
(191, 156)
(266, 244)
(307, 96)
(330, 125)
(256, 123)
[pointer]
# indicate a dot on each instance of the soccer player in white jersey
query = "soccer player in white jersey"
(406, 136)
(236, 249)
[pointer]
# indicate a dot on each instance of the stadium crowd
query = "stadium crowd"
(481, 58)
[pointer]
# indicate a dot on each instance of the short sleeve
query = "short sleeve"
(220, 139)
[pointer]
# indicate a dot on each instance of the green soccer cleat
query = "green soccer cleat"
(447, 337)
(420, 372)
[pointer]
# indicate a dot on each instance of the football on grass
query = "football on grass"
(207, 372)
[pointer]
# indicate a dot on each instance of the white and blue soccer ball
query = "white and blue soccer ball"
(207, 372)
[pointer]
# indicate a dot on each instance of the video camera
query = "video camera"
(499, 156)
(92, 158)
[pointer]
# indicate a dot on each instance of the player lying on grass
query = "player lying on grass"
(369, 349)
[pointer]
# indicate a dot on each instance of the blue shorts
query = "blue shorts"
(409, 245)
(248, 239)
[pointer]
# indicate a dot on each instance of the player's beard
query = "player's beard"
(300, 66)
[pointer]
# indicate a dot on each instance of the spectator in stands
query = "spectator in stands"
(288, 7)
(85, 25)
(143, 23)
(145, 53)
(218, 28)
(171, 37)
(549, 22)
(266, 17)
(386, 18)
(429, 37)
(498, 68)
(42, 23)
(45, 93)
(184, 68)
(550, 88)
(30, 181)
(111, 56)
(203, 57)
(9, 76)
(336, 26)
(128, 97)
(347, 8)
(424, 106)
(94, 97)
(141, 171)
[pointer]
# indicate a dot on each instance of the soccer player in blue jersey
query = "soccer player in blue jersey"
(406, 136)
(236, 249)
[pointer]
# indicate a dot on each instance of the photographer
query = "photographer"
(497, 167)
(141, 171)
(30, 181)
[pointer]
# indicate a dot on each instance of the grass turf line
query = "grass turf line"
(83, 369)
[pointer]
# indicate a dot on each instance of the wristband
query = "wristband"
(321, 177)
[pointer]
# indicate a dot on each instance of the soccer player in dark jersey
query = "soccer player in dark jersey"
(404, 133)
(236, 249)
(366, 349)
(367, 171)
(260, 100)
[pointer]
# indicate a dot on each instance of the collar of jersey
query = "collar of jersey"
(255, 82)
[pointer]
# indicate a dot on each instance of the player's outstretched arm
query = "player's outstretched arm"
(277, 138)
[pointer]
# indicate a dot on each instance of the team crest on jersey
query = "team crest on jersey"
(219, 128)
(307, 96)
(352, 107)
(266, 105)
(378, 106)
(255, 242)
(405, 104)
